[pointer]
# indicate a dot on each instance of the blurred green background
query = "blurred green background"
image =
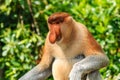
(23, 29)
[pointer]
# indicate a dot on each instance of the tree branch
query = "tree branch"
(34, 20)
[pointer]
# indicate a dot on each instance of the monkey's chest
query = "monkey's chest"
(62, 67)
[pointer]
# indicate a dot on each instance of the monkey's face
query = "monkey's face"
(58, 25)
(55, 33)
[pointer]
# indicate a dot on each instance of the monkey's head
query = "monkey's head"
(59, 26)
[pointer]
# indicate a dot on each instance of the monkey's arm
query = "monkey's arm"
(37, 73)
(87, 65)
(44, 69)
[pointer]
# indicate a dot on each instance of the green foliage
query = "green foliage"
(23, 29)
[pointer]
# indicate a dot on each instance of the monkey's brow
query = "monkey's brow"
(57, 17)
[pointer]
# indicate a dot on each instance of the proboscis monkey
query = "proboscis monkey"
(70, 52)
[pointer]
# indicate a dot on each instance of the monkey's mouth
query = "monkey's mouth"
(59, 38)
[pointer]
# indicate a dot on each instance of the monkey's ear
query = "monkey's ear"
(69, 19)
(52, 36)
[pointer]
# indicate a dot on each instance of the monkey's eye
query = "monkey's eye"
(57, 22)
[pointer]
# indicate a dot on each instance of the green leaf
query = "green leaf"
(100, 29)
(18, 33)
(7, 2)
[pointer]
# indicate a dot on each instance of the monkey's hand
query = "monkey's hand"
(76, 72)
